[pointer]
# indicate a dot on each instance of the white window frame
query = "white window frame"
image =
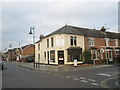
(95, 52)
(107, 42)
(107, 53)
(116, 42)
(91, 42)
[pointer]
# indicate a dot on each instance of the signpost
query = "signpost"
(75, 62)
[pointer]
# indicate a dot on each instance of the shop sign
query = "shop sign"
(60, 41)
(60, 58)
(75, 62)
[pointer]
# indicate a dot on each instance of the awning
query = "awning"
(117, 48)
(108, 48)
(74, 48)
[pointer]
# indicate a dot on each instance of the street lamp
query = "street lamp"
(32, 32)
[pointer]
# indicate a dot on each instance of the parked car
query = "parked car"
(1, 65)
(30, 59)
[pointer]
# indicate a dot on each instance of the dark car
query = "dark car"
(1, 65)
(29, 59)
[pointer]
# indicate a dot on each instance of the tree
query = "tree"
(87, 57)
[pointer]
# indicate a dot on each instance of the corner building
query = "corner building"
(67, 43)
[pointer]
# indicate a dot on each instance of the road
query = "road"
(18, 77)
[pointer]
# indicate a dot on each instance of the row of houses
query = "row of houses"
(20, 54)
(68, 43)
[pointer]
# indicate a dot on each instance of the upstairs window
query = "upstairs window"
(73, 40)
(107, 42)
(47, 42)
(116, 42)
(91, 42)
(38, 46)
(52, 42)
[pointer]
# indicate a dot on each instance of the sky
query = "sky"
(17, 18)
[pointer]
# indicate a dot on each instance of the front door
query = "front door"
(48, 56)
(60, 57)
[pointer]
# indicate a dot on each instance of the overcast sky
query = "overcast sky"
(18, 17)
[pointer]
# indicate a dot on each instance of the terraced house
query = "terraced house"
(69, 42)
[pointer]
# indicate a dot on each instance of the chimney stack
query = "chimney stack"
(41, 37)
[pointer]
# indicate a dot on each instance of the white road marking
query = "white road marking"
(83, 81)
(67, 76)
(103, 74)
(82, 78)
(91, 80)
(75, 79)
(94, 84)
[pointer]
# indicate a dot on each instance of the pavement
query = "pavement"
(59, 68)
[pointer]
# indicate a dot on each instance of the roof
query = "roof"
(23, 47)
(68, 29)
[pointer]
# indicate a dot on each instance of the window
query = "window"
(73, 40)
(91, 41)
(47, 42)
(38, 46)
(52, 56)
(45, 55)
(107, 54)
(107, 42)
(52, 42)
(110, 54)
(38, 57)
(116, 42)
(74, 54)
(95, 54)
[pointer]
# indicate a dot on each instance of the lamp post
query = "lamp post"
(10, 46)
(32, 32)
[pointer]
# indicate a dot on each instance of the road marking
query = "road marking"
(103, 74)
(75, 79)
(67, 76)
(94, 84)
(84, 81)
(82, 78)
(91, 80)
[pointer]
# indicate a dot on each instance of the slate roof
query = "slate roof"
(68, 29)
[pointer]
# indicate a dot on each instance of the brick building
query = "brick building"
(68, 43)
(27, 51)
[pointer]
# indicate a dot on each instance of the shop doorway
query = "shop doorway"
(60, 57)
(48, 56)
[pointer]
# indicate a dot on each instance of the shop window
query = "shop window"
(52, 42)
(52, 56)
(74, 54)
